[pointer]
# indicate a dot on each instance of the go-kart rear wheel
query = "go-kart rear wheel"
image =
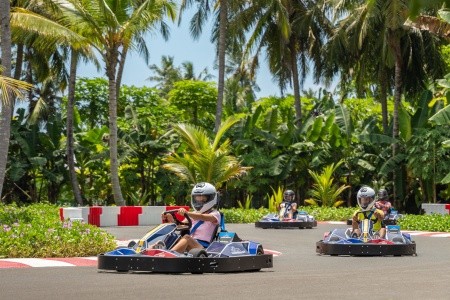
(131, 244)
(197, 252)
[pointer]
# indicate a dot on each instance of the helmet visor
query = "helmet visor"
(364, 202)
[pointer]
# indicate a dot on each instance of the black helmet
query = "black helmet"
(383, 195)
(289, 195)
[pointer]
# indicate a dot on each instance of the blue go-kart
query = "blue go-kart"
(300, 219)
(341, 242)
(225, 253)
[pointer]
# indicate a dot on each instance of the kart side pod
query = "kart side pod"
(226, 237)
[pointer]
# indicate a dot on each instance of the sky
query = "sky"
(182, 47)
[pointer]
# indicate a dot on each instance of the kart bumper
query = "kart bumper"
(366, 249)
(143, 263)
(288, 224)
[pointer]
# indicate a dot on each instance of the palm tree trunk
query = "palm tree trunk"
(121, 68)
(295, 81)
(223, 15)
(383, 100)
(394, 43)
(70, 138)
(5, 106)
(111, 63)
(19, 61)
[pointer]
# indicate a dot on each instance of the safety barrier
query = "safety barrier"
(436, 208)
(103, 216)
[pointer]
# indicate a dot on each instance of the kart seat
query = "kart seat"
(171, 239)
(219, 228)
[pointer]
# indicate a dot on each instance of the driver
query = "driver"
(367, 210)
(288, 208)
(383, 202)
(204, 218)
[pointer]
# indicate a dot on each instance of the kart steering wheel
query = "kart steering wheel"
(180, 225)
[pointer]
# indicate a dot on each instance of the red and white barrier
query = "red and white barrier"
(436, 208)
(116, 215)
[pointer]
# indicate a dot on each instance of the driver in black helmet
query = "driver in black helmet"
(204, 218)
(288, 207)
(383, 202)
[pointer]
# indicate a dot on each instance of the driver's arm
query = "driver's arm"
(198, 216)
(379, 214)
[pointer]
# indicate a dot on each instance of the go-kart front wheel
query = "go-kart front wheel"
(197, 252)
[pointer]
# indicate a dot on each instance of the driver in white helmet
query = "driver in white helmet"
(367, 210)
(204, 218)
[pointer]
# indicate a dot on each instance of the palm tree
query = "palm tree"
(166, 75)
(292, 32)
(50, 33)
(196, 26)
(9, 90)
(399, 46)
(113, 28)
(203, 159)
(188, 72)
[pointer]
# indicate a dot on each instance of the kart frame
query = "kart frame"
(285, 224)
(227, 254)
(365, 249)
(194, 265)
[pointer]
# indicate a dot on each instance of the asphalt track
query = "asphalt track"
(298, 273)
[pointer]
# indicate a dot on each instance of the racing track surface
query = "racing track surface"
(298, 273)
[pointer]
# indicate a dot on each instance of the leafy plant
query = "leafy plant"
(247, 204)
(323, 189)
(239, 215)
(275, 199)
(202, 159)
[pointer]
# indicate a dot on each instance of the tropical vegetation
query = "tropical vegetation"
(86, 141)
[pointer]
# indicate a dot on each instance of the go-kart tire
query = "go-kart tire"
(197, 252)
(131, 244)
(260, 250)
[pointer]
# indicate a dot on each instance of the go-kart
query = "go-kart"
(343, 242)
(390, 219)
(226, 253)
(300, 219)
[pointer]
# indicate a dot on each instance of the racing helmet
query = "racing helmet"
(203, 197)
(382, 195)
(366, 198)
(289, 196)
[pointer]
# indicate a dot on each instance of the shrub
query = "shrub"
(37, 231)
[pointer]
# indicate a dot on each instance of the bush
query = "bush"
(425, 222)
(437, 223)
(37, 231)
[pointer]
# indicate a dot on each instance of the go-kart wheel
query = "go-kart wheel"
(197, 252)
(260, 250)
(131, 244)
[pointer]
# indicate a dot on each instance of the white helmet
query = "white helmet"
(203, 204)
(366, 198)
